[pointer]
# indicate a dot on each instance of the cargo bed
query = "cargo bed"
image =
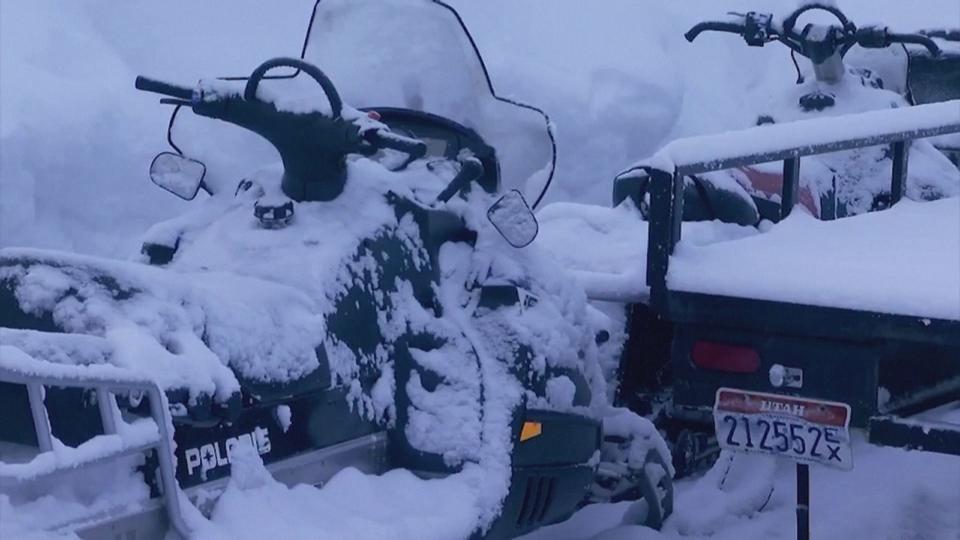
(863, 310)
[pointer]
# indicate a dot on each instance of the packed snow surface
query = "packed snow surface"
(905, 260)
(890, 494)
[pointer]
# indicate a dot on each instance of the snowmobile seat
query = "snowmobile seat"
(703, 199)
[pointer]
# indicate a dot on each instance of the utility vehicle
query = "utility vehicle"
(835, 279)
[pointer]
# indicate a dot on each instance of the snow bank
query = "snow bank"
(606, 248)
(618, 79)
(394, 506)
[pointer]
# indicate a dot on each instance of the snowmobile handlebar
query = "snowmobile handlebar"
(713, 26)
(791, 21)
(159, 87)
(253, 83)
(815, 42)
(916, 39)
(313, 145)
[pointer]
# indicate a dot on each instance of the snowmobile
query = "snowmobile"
(844, 183)
(719, 289)
(367, 302)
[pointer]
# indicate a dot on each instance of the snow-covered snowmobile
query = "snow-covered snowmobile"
(843, 183)
(365, 302)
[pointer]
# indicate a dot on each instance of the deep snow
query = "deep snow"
(76, 139)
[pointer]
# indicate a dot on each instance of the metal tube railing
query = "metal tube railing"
(41, 422)
(106, 388)
(667, 172)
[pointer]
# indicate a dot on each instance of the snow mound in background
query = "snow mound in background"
(619, 81)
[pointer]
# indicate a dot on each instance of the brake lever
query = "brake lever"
(175, 101)
(471, 169)
(757, 28)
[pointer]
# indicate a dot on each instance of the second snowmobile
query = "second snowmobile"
(833, 185)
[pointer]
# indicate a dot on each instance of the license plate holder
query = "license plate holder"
(805, 430)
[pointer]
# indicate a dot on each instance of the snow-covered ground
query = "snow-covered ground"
(889, 495)
(619, 81)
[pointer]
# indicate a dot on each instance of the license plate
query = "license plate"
(801, 429)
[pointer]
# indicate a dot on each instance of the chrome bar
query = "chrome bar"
(105, 386)
(104, 403)
(41, 422)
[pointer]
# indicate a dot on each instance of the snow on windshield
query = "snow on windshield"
(413, 54)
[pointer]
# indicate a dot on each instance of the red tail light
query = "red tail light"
(724, 357)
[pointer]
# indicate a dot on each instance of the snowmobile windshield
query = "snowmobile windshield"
(417, 54)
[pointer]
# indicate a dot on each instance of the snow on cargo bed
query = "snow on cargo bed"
(904, 261)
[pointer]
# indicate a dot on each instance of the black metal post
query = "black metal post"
(899, 180)
(666, 213)
(803, 501)
(791, 186)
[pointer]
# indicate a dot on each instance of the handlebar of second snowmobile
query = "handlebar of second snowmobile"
(878, 37)
(159, 87)
(916, 39)
(714, 26)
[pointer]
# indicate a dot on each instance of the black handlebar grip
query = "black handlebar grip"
(416, 149)
(159, 87)
(916, 39)
(732, 28)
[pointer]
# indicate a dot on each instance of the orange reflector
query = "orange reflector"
(530, 430)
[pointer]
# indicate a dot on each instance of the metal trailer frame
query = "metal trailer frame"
(106, 388)
(161, 514)
(665, 216)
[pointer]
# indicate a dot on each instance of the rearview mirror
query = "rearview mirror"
(177, 174)
(513, 219)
